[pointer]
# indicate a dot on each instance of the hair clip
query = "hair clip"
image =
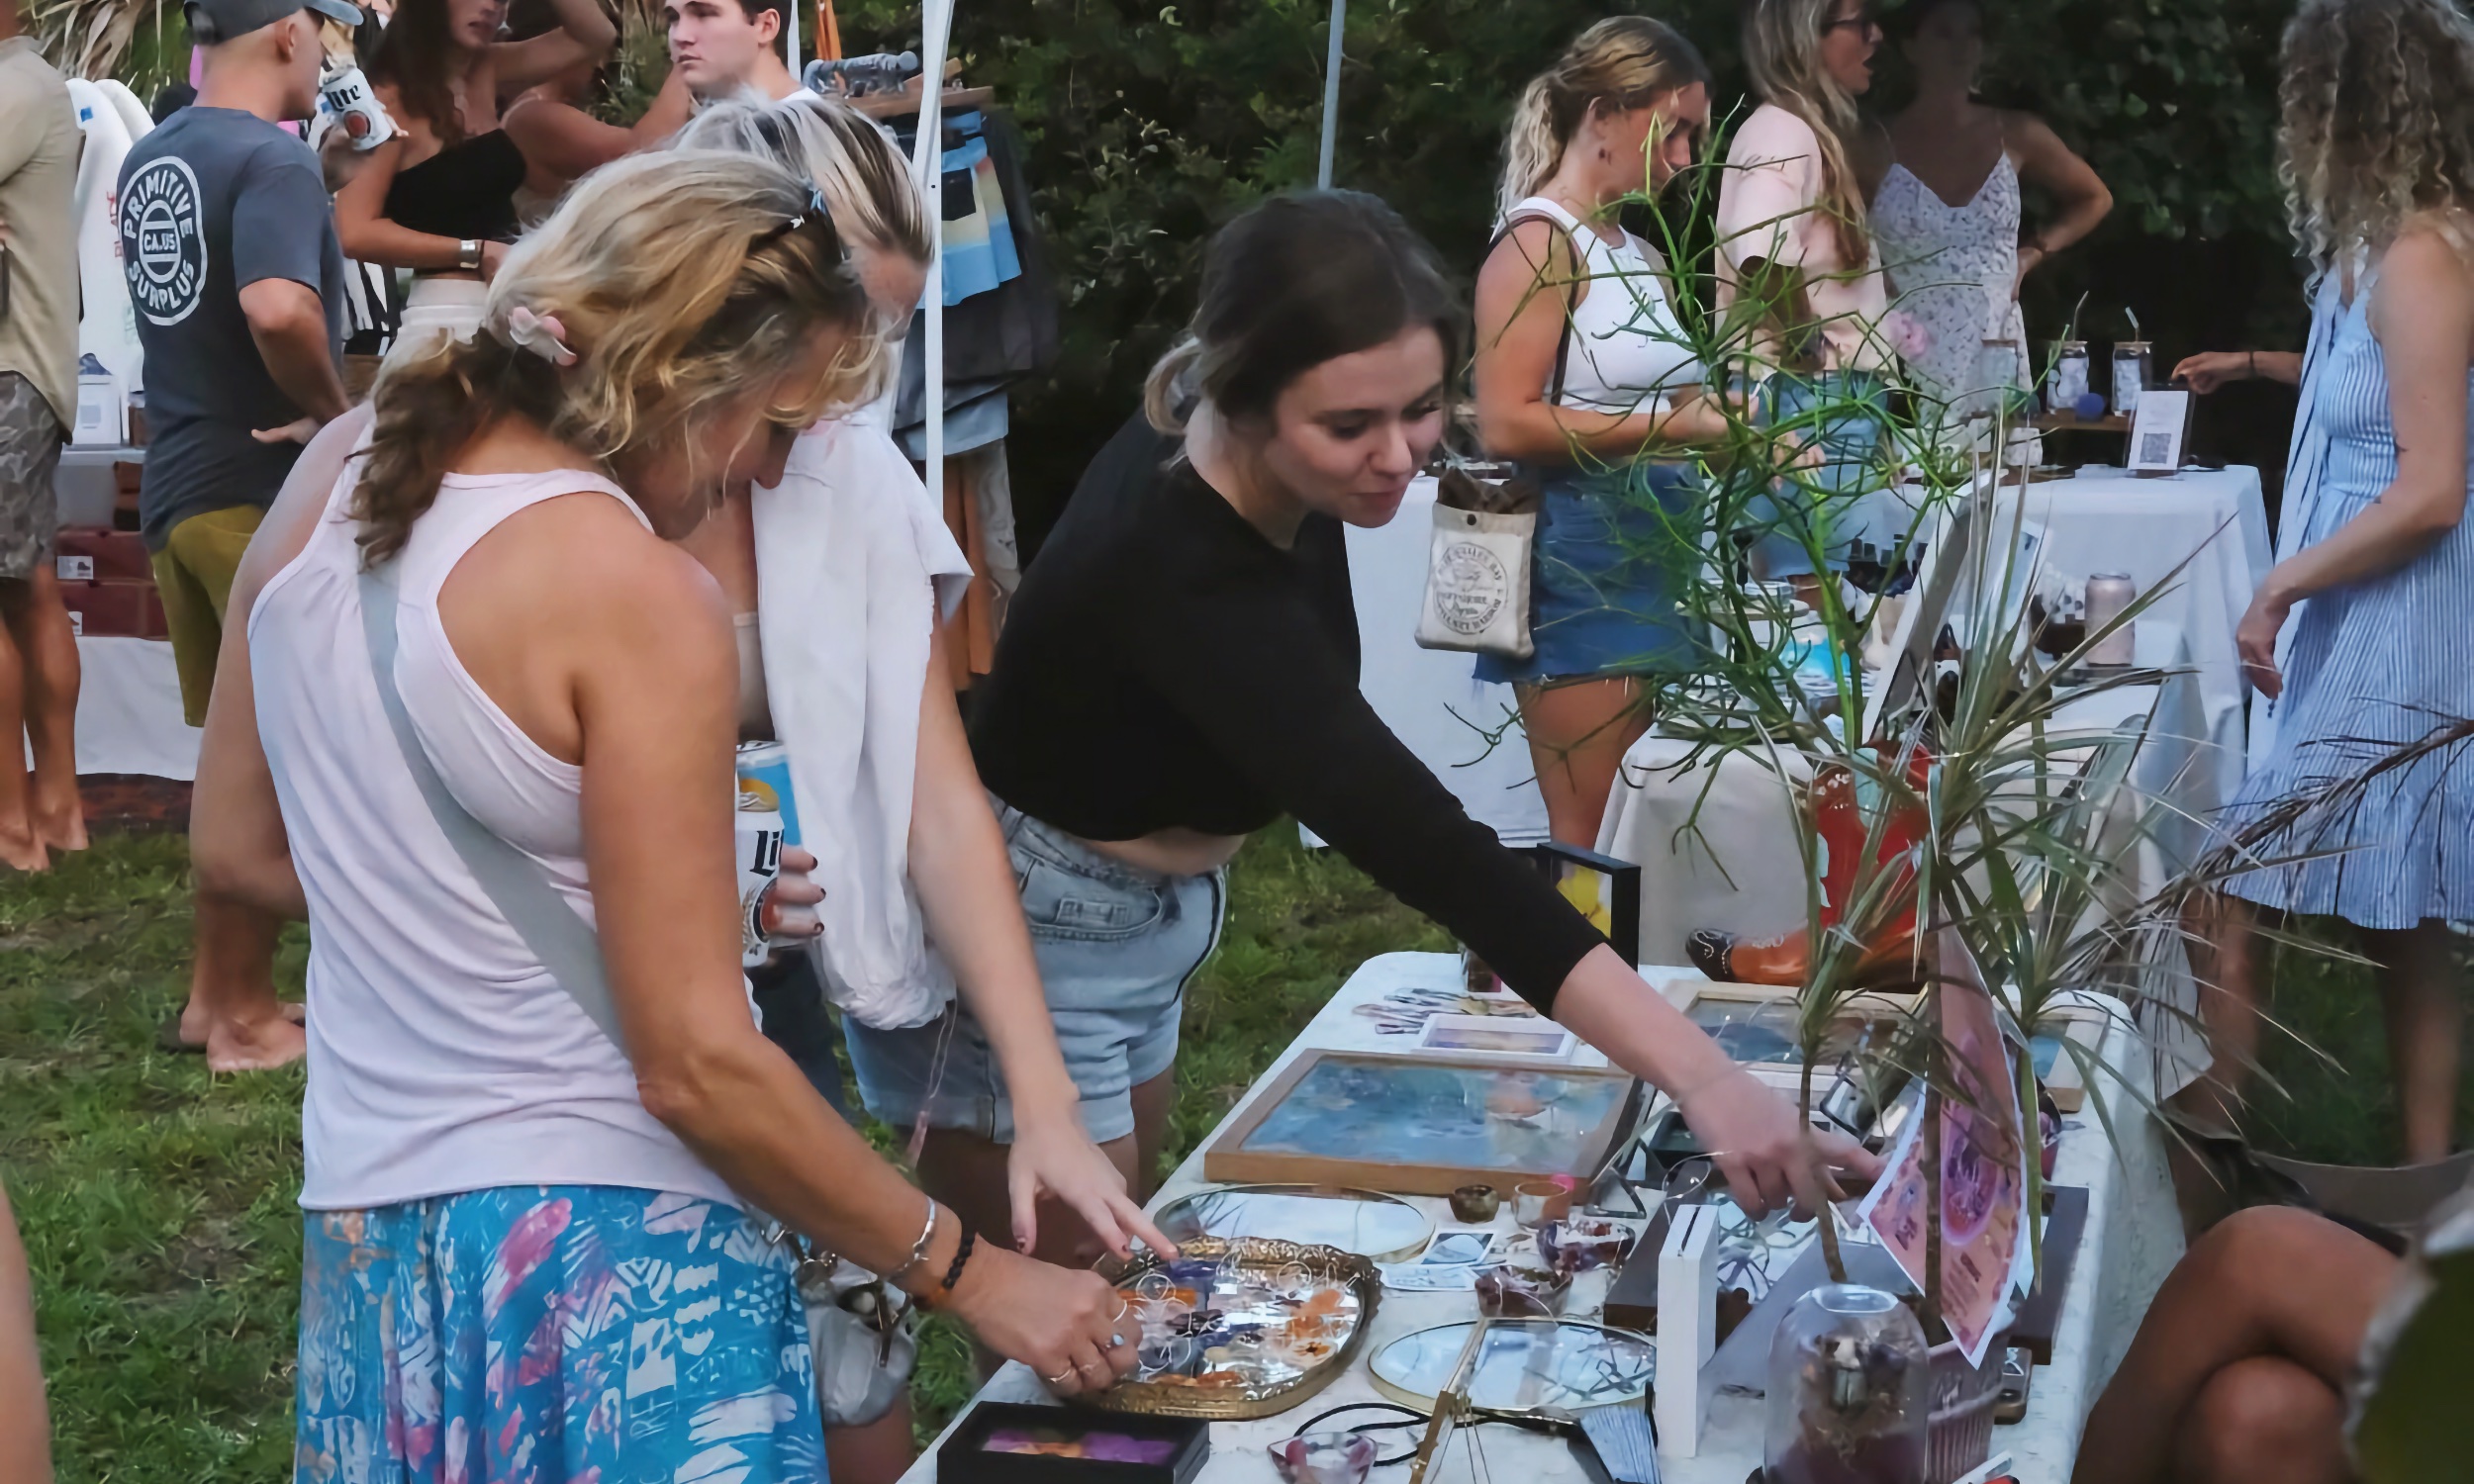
(542, 334)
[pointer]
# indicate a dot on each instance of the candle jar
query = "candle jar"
(1849, 1395)
(2068, 382)
(2130, 376)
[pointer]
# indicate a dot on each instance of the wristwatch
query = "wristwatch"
(468, 254)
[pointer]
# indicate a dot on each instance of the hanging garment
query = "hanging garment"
(853, 570)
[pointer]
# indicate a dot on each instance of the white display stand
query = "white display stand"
(2133, 1239)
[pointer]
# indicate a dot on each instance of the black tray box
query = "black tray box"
(964, 1458)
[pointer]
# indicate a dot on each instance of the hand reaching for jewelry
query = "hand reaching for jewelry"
(1053, 1156)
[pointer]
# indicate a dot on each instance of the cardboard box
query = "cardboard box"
(116, 607)
(87, 553)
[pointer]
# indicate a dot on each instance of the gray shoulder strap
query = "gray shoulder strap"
(515, 884)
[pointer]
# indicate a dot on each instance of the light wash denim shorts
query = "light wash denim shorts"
(1115, 945)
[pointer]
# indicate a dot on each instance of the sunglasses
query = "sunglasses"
(1863, 21)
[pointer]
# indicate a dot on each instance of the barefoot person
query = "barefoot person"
(2355, 638)
(485, 1162)
(38, 142)
(236, 277)
(24, 1429)
(1179, 669)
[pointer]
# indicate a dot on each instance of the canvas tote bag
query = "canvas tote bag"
(1476, 597)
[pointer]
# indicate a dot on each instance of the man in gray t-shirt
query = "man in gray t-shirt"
(229, 243)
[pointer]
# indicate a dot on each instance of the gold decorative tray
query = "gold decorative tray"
(1241, 1328)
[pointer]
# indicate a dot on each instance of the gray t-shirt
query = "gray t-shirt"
(211, 202)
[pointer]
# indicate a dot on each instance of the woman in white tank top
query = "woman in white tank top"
(1586, 378)
(525, 1244)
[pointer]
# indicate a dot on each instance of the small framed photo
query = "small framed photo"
(2159, 430)
(1500, 1035)
(1605, 890)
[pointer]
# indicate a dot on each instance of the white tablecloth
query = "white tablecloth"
(128, 717)
(1735, 867)
(2107, 520)
(2133, 1239)
(1430, 698)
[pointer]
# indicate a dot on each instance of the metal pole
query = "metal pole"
(1331, 95)
(927, 166)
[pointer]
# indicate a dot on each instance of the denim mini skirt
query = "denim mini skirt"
(1613, 552)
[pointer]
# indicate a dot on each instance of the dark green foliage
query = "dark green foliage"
(1149, 124)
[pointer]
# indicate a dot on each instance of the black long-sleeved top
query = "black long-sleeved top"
(1165, 665)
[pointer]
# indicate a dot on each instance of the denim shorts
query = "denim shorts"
(1613, 551)
(1115, 945)
(1822, 508)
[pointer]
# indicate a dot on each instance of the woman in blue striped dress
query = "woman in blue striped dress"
(2358, 639)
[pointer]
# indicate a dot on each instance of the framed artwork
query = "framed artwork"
(1427, 1125)
(1601, 888)
(1755, 1026)
(1533, 1036)
(1919, 623)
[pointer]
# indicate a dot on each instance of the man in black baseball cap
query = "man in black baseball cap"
(228, 240)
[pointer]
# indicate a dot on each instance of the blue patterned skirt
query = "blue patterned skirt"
(551, 1335)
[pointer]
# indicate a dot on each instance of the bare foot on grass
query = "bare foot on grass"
(21, 849)
(255, 1045)
(62, 829)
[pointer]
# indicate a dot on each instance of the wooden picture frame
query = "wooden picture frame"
(1614, 1103)
(1704, 1002)
(1618, 895)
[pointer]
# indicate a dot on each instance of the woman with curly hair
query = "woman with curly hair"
(2356, 639)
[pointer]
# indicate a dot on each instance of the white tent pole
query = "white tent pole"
(1331, 95)
(927, 166)
(790, 24)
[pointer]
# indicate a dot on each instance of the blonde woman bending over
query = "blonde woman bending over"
(484, 704)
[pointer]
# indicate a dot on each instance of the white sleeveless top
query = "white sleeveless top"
(1953, 268)
(1628, 350)
(443, 1056)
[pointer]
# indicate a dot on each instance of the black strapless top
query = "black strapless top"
(465, 190)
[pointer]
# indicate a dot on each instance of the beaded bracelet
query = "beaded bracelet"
(953, 1275)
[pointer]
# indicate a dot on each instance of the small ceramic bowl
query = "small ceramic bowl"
(1475, 1205)
(1511, 1292)
(1324, 1459)
(1577, 1243)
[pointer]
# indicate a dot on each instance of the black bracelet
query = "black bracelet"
(962, 1255)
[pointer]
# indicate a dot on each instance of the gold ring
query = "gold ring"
(1069, 1373)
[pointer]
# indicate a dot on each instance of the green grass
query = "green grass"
(158, 1201)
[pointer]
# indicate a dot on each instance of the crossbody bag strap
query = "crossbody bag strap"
(1571, 296)
(566, 944)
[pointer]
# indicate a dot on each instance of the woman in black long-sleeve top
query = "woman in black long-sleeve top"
(1180, 667)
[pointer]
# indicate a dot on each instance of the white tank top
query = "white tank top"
(1628, 350)
(443, 1056)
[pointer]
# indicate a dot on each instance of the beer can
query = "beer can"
(346, 94)
(765, 771)
(2108, 594)
(759, 861)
